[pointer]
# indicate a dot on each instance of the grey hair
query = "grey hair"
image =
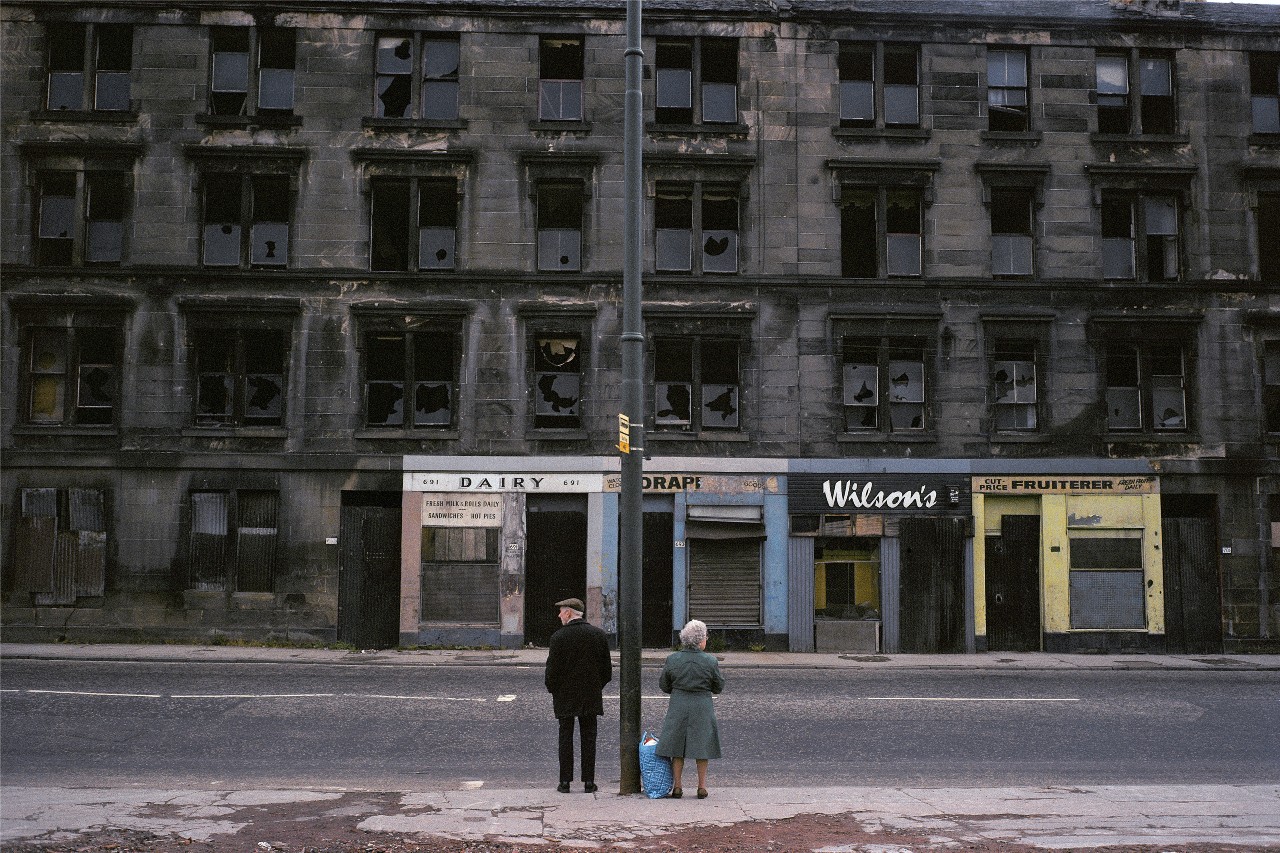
(693, 633)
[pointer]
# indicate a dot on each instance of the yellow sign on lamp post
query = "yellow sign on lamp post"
(624, 433)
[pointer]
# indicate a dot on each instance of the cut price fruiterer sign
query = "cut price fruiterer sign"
(624, 433)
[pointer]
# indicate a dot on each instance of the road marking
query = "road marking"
(428, 698)
(249, 695)
(510, 697)
(88, 693)
(662, 696)
(961, 699)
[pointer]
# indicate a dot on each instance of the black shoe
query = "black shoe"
(590, 787)
(563, 787)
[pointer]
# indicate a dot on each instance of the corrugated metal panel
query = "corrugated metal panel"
(35, 538)
(1192, 591)
(87, 519)
(890, 573)
(800, 594)
(256, 534)
(1107, 599)
(724, 582)
(208, 550)
(63, 590)
(460, 592)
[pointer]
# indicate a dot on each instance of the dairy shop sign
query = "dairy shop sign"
(503, 482)
(878, 493)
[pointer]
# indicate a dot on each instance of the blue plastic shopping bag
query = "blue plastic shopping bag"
(655, 770)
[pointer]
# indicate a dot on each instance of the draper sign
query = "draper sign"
(897, 493)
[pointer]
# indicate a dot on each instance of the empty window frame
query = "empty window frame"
(560, 74)
(1125, 109)
(420, 365)
(711, 96)
(1271, 386)
(240, 376)
(1264, 89)
(701, 215)
(879, 84)
(1012, 226)
(246, 220)
(252, 71)
(408, 87)
(881, 231)
(696, 383)
(89, 66)
(80, 217)
(1107, 588)
(1146, 387)
(460, 575)
(1267, 221)
(559, 217)
(883, 383)
(557, 381)
(413, 224)
(72, 376)
(1007, 103)
(234, 540)
(1140, 236)
(1014, 385)
(59, 545)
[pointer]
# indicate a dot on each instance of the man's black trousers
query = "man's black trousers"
(587, 728)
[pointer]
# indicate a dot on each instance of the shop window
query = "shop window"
(879, 85)
(233, 540)
(1140, 236)
(715, 85)
(60, 545)
(1007, 104)
(686, 215)
(246, 220)
(880, 232)
(884, 384)
(560, 61)
(557, 383)
(1267, 218)
(559, 227)
(72, 376)
(460, 575)
(1014, 385)
(424, 361)
(252, 71)
(1125, 109)
(847, 579)
(1271, 385)
(81, 218)
(1264, 89)
(696, 370)
(240, 376)
(1106, 579)
(1012, 217)
(89, 66)
(1146, 387)
(413, 224)
(405, 87)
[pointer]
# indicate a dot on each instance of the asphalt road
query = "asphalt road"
(388, 727)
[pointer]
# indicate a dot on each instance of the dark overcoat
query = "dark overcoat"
(578, 668)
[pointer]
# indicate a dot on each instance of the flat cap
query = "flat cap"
(572, 604)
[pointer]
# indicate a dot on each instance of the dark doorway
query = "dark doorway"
(555, 565)
(656, 631)
(1192, 593)
(931, 591)
(369, 570)
(1013, 585)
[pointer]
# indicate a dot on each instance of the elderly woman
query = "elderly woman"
(691, 676)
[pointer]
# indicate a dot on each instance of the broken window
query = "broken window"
(716, 83)
(1264, 89)
(1014, 393)
(80, 217)
(246, 219)
(1267, 220)
(1011, 230)
(240, 376)
(60, 545)
(695, 368)
(557, 382)
(704, 215)
(868, 249)
(1146, 387)
(1007, 108)
(72, 376)
(878, 73)
(402, 206)
(236, 87)
(1156, 257)
(560, 78)
(559, 227)
(1149, 109)
(101, 53)
(421, 365)
(399, 75)
(233, 540)
(1271, 386)
(883, 384)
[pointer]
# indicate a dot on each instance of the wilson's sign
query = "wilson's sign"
(878, 493)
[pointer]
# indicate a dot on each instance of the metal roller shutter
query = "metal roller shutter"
(724, 581)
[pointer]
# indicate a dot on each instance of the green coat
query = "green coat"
(690, 729)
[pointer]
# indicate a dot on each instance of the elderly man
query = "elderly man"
(578, 668)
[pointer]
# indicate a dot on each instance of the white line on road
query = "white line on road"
(87, 693)
(961, 699)
(509, 697)
(249, 695)
(429, 698)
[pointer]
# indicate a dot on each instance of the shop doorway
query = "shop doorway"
(555, 566)
(931, 585)
(1192, 593)
(369, 570)
(1013, 585)
(657, 579)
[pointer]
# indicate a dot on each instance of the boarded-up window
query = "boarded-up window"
(1107, 586)
(233, 536)
(724, 565)
(60, 545)
(460, 575)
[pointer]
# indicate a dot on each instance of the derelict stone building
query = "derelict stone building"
(962, 321)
